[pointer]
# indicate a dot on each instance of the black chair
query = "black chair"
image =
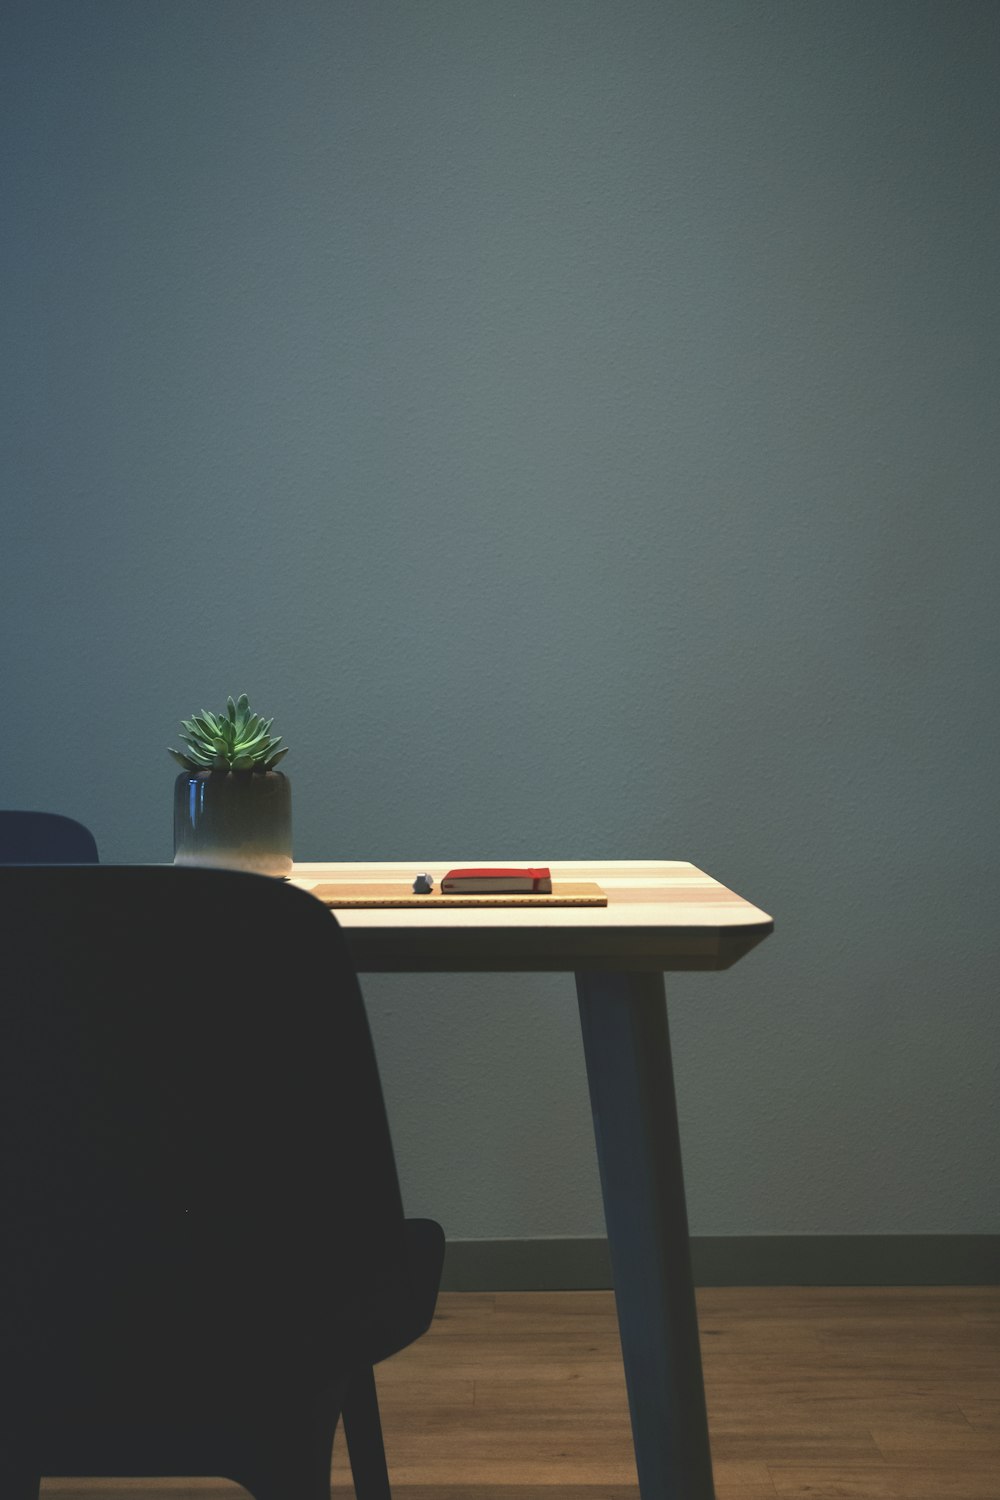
(203, 1251)
(44, 838)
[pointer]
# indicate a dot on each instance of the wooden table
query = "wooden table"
(661, 915)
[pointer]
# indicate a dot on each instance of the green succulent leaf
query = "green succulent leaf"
(237, 740)
(253, 747)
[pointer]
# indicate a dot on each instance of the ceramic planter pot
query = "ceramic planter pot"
(234, 820)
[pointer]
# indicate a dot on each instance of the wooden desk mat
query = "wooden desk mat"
(370, 893)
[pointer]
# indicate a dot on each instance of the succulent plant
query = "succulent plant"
(234, 741)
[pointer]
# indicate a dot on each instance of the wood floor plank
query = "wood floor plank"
(982, 1414)
(142, 1489)
(890, 1482)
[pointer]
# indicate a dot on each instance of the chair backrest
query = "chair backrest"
(44, 838)
(196, 1172)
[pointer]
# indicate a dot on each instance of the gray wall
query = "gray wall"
(577, 424)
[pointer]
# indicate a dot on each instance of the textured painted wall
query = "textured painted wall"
(577, 423)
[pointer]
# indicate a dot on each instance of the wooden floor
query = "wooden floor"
(873, 1394)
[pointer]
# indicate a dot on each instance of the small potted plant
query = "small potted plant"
(231, 807)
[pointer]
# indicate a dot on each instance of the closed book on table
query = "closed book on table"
(493, 881)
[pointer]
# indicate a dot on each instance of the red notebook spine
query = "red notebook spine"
(484, 879)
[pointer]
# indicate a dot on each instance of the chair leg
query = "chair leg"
(19, 1480)
(284, 1486)
(363, 1430)
(284, 1477)
(289, 1459)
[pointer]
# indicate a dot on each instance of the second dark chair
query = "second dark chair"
(203, 1251)
(44, 838)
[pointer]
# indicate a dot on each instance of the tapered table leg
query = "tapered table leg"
(627, 1047)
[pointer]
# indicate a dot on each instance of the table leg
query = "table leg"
(627, 1046)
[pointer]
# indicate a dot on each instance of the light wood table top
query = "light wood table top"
(661, 915)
